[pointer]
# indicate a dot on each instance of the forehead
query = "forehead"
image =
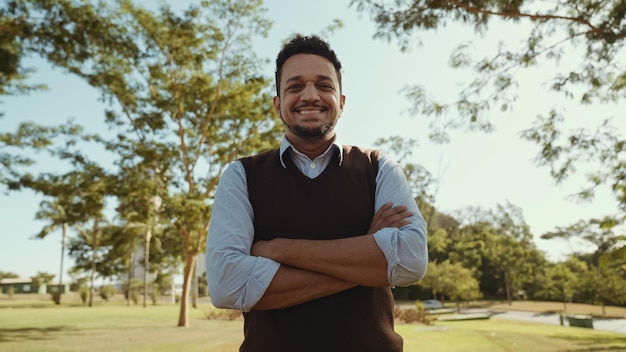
(307, 66)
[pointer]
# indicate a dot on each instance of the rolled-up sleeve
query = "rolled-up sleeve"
(236, 279)
(406, 248)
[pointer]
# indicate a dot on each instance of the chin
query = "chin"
(312, 133)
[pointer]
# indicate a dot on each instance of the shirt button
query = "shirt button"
(313, 166)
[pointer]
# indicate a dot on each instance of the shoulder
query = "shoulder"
(248, 161)
(371, 153)
(261, 155)
(233, 173)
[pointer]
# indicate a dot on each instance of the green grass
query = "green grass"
(507, 335)
(42, 326)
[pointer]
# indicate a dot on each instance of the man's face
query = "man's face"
(310, 102)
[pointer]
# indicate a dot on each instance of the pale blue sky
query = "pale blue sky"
(474, 169)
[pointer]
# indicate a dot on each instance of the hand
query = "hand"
(390, 216)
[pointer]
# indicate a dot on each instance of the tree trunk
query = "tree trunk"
(129, 278)
(94, 257)
(61, 288)
(190, 264)
(196, 288)
(146, 264)
(507, 288)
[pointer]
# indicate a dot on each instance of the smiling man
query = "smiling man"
(308, 239)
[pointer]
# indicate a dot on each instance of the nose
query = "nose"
(309, 93)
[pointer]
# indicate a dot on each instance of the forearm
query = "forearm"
(354, 259)
(292, 286)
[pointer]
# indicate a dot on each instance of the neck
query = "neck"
(311, 148)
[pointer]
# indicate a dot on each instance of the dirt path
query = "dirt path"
(555, 307)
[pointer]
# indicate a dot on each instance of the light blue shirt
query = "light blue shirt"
(238, 280)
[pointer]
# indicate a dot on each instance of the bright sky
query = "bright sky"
(473, 170)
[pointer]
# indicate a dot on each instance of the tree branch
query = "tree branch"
(474, 9)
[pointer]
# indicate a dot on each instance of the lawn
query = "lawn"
(42, 326)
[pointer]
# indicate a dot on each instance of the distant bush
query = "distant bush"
(56, 297)
(107, 291)
(413, 315)
(222, 314)
(154, 294)
(83, 292)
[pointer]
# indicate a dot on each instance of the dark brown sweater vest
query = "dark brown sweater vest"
(337, 204)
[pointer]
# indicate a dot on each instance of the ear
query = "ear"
(277, 107)
(342, 103)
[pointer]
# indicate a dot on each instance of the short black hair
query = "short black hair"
(306, 45)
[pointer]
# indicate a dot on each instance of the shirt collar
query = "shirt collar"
(285, 145)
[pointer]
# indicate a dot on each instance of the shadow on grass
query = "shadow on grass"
(28, 305)
(30, 334)
(594, 343)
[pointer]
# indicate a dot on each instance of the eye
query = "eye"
(294, 87)
(325, 86)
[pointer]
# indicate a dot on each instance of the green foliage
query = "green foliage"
(84, 293)
(132, 290)
(451, 280)
(107, 291)
(603, 234)
(154, 294)
(602, 285)
(549, 33)
(8, 275)
(42, 278)
(185, 98)
(78, 280)
(558, 282)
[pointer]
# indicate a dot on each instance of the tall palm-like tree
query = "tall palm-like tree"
(55, 212)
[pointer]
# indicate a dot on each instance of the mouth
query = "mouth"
(310, 110)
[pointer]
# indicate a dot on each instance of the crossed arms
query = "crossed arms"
(313, 269)
(281, 272)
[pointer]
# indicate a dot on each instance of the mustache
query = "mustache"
(310, 105)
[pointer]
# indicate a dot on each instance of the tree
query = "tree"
(139, 188)
(602, 285)
(604, 234)
(198, 100)
(184, 90)
(42, 278)
(552, 31)
(465, 288)
(558, 283)
(452, 280)
(14, 158)
(8, 275)
(91, 188)
(498, 246)
(512, 249)
(77, 194)
(55, 212)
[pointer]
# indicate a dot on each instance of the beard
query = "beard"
(310, 133)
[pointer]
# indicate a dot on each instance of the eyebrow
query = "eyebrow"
(299, 77)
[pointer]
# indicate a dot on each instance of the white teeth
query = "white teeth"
(306, 112)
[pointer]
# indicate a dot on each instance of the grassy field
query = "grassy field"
(41, 326)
